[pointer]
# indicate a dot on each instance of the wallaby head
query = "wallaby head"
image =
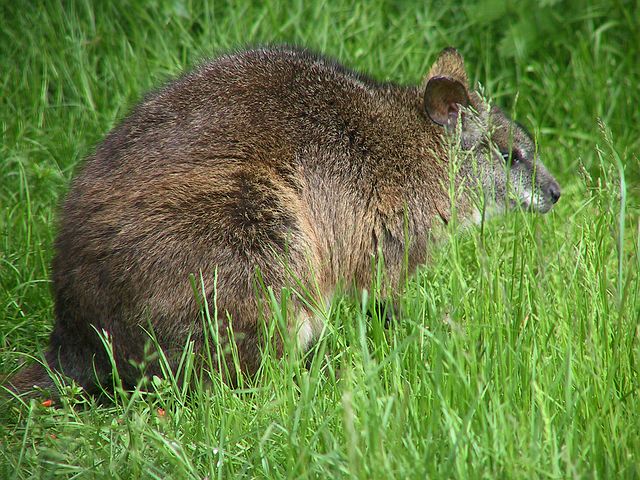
(500, 155)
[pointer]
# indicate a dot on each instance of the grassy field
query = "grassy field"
(518, 354)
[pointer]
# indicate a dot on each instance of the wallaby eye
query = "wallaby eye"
(514, 157)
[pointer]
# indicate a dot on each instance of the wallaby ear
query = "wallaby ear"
(449, 64)
(446, 88)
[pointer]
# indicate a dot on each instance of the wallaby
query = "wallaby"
(273, 162)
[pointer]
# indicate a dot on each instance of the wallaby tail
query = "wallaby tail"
(30, 377)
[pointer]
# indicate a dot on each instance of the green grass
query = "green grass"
(518, 353)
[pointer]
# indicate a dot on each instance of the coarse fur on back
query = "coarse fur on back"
(277, 162)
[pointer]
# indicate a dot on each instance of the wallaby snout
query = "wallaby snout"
(554, 191)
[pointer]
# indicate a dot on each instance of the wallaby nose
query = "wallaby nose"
(554, 192)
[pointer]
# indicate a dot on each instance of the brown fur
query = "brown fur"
(254, 159)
